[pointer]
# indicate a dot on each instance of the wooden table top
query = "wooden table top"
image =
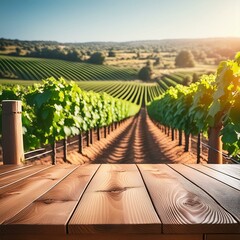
(140, 201)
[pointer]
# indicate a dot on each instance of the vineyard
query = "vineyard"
(89, 77)
(56, 109)
(211, 106)
(38, 69)
(60, 108)
(135, 92)
(119, 120)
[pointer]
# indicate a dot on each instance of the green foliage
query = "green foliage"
(184, 59)
(56, 109)
(173, 107)
(213, 101)
(202, 101)
(96, 58)
(227, 92)
(225, 108)
(145, 73)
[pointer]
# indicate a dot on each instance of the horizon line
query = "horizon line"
(128, 41)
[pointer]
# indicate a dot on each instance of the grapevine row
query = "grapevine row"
(135, 92)
(211, 106)
(56, 109)
(38, 69)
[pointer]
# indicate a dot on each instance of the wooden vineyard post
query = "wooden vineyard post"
(179, 137)
(54, 153)
(215, 145)
(80, 143)
(187, 142)
(105, 131)
(87, 138)
(199, 148)
(173, 132)
(65, 149)
(91, 136)
(12, 136)
(98, 134)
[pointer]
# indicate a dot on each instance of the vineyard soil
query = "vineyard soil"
(138, 140)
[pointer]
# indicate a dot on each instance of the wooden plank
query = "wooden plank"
(16, 197)
(141, 236)
(4, 169)
(233, 170)
(232, 182)
(116, 201)
(36, 236)
(51, 212)
(222, 237)
(227, 197)
(105, 237)
(181, 205)
(16, 176)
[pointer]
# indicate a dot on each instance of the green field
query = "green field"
(135, 92)
(118, 82)
(38, 69)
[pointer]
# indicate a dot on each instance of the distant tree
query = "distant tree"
(88, 53)
(138, 55)
(73, 55)
(187, 80)
(18, 51)
(96, 58)
(111, 53)
(157, 61)
(195, 77)
(145, 73)
(184, 59)
(37, 49)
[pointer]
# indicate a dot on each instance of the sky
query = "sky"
(118, 20)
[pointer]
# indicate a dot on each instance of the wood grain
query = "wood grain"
(15, 198)
(226, 179)
(106, 237)
(51, 212)
(233, 170)
(137, 236)
(226, 196)
(115, 204)
(115, 201)
(16, 176)
(182, 206)
(4, 169)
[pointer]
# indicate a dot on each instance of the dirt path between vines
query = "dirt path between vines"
(139, 140)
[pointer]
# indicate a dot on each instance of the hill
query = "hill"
(38, 68)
